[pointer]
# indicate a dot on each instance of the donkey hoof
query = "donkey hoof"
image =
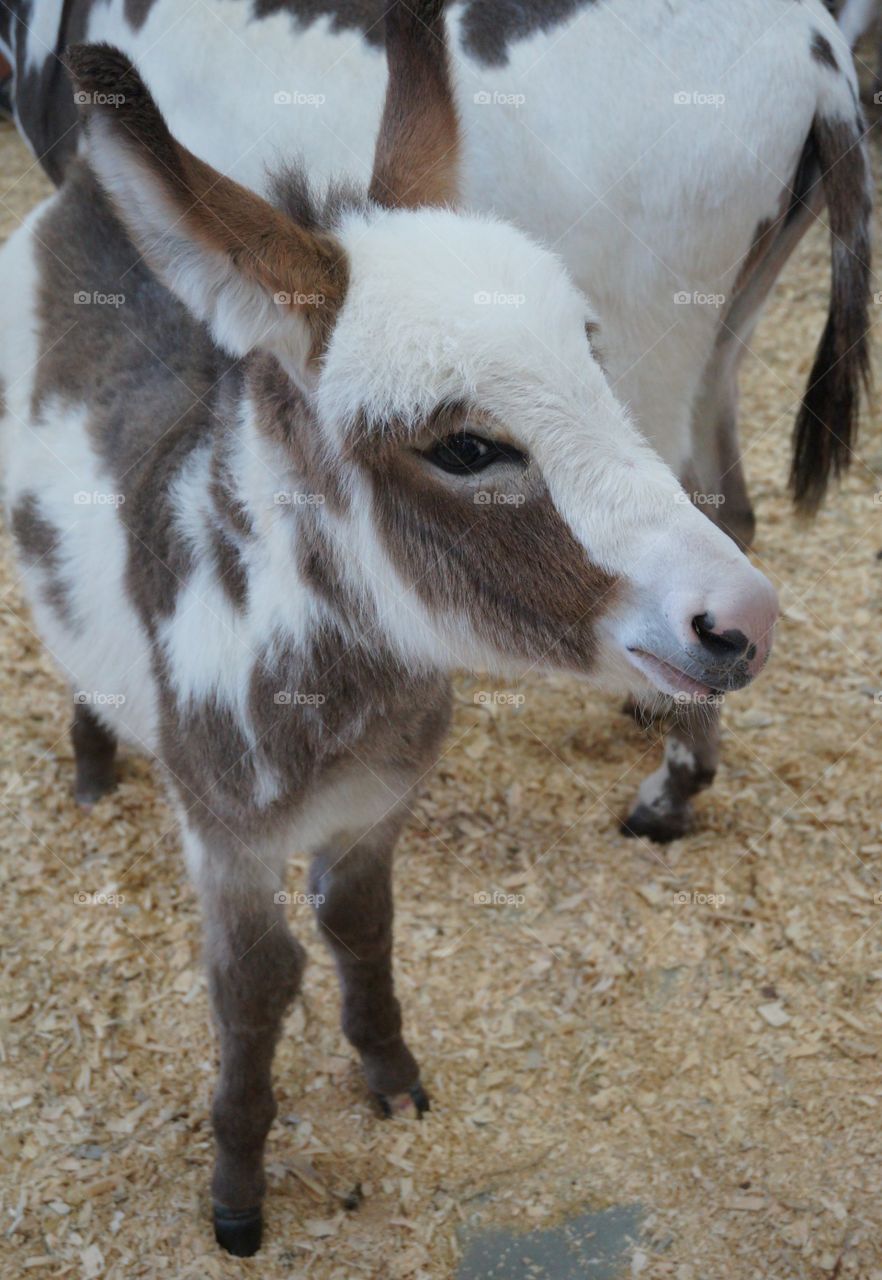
(647, 823)
(239, 1231)
(420, 1100)
(93, 781)
(87, 796)
(395, 1104)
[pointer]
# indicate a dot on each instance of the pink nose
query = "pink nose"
(729, 638)
(729, 646)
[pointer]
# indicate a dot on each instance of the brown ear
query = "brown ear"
(141, 163)
(417, 154)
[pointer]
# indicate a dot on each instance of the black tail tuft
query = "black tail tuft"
(826, 426)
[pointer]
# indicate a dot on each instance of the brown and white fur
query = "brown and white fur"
(266, 502)
(632, 135)
(675, 217)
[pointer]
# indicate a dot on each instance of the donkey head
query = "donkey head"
(499, 506)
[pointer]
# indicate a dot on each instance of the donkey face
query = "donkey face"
(451, 386)
(506, 482)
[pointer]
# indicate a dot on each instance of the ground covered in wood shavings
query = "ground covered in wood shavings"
(606, 1036)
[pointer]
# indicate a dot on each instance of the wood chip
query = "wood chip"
(774, 1014)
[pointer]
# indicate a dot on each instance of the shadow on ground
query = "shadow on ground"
(593, 1244)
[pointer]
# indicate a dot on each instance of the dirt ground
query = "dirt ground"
(708, 1067)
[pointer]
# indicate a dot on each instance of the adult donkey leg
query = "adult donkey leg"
(254, 972)
(663, 810)
(716, 460)
(717, 471)
(6, 108)
(353, 887)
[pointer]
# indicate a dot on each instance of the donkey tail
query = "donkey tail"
(826, 425)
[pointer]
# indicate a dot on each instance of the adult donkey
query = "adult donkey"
(858, 18)
(287, 661)
(656, 118)
(633, 136)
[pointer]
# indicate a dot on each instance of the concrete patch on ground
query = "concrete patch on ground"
(596, 1245)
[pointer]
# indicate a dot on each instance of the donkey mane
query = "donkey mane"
(316, 206)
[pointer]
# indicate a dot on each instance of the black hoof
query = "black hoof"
(644, 823)
(239, 1231)
(420, 1100)
(390, 1106)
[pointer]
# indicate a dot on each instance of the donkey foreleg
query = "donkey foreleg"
(94, 756)
(353, 889)
(254, 972)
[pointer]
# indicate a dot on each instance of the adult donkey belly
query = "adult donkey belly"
(635, 136)
(637, 139)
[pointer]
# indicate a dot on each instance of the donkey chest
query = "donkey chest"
(280, 726)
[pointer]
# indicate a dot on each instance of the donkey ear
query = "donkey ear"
(417, 153)
(256, 276)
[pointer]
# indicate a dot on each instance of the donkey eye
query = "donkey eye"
(465, 454)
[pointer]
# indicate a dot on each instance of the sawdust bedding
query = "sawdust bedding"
(591, 1040)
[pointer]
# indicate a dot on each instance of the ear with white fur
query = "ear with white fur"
(256, 276)
(417, 151)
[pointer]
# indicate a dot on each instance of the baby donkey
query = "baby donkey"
(354, 442)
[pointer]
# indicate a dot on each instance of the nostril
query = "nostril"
(722, 644)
